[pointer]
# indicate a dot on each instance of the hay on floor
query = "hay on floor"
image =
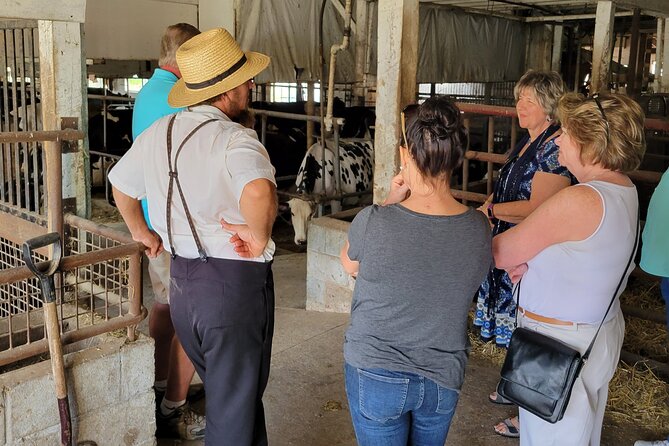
(636, 393)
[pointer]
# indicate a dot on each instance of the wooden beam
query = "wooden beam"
(361, 16)
(566, 18)
(634, 55)
(652, 7)
(556, 57)
(664, 74)
(396, 84)
(61, 11)
(603, 44)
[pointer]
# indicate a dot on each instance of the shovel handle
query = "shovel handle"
(41, 271)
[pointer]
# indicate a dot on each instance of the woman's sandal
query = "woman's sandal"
(498, 399)
(508, 429)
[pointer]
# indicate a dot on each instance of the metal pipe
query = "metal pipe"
(263, 129)
(491, 146)
(333, 61)
(560, 18)
(70, 337)
(465, 162)
(110, 98)
(295, 116)
(337, 166)
(497, 158)
(135, 291)
(311, 108)
(321, 70)
(74, 261)
(471, 196)
(96, 228)
(41, 136)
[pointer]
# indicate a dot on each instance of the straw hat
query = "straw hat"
(212, 63)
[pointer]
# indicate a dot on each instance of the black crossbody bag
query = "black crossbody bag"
(539, 372)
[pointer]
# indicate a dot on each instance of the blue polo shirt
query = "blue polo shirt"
(655, 247)
(151, 105)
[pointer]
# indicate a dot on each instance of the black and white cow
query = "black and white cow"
(356, 161)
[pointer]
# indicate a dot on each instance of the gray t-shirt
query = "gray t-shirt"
(417, 279)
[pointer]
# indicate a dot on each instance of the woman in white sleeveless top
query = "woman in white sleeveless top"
(572, 251)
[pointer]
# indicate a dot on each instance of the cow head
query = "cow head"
(301, 212)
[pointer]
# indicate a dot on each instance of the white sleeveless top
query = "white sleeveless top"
(574, 281)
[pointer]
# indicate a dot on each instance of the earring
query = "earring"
(402, 167)
(548, 118)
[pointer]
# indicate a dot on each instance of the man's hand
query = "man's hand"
(131, 211)
(152, 241)
(399, 190)
(246, 243)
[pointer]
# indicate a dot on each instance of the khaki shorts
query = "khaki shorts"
(159, 273)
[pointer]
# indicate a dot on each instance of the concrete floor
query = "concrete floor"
(305, 399)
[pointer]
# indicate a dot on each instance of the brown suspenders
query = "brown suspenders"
(174, 178)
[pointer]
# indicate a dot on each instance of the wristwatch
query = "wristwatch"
(491, 212)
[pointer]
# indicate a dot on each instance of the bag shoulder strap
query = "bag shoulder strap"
(615, 293)
(174, 178)
(516, 291)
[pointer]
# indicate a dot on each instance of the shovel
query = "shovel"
(44, 272)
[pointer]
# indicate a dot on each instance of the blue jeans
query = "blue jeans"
(398, 408)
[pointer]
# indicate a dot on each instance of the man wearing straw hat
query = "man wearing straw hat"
(174, 371)
(212, 201)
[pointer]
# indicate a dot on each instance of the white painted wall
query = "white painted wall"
(131, 29)
(217, 14)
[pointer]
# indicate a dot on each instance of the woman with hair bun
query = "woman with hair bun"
(419, 258)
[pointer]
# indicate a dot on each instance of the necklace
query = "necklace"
(542, 136)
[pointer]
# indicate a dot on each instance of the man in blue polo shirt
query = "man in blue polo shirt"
(174, 371)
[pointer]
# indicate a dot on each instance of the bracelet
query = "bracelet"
(491, 212)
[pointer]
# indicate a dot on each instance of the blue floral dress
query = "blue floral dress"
(495, 308)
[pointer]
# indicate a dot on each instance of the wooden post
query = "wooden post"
(664, 82)
(634, 54)
(311, 110)
(556, 57)
(396, 84)
(659, 41)
(540, 40)
(577, 74)
(63, 78)
(361, 49)
(603, 43)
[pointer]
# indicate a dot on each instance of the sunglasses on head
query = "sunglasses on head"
(595, 97)
(411, 108)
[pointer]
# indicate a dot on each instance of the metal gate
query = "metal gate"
(21, 164)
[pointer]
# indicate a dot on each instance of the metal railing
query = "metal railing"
(491, 112)
(99, 282)
(99, 290)
(321, 198)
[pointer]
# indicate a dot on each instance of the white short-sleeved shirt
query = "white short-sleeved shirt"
(214, 166)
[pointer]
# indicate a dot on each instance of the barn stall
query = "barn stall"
(396, 33)
(98, 285)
